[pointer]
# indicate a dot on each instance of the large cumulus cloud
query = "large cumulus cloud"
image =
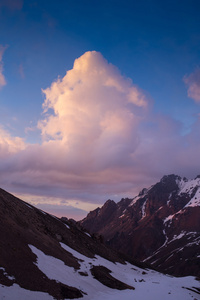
(89, 133)
(95, 114)
(99, 138)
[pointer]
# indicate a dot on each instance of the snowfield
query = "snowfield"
(148, 284)
(15, 292)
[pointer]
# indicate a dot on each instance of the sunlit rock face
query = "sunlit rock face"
(160, 226)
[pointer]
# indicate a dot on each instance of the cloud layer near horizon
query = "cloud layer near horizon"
(100, 138)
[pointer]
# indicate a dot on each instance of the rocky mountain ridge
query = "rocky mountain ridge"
(161, 225)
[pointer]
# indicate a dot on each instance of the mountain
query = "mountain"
(161, 225)
(44, 258)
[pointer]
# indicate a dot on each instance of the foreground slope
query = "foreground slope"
(160, 226)
(43, 258)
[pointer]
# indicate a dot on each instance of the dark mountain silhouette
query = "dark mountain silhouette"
(22, 225)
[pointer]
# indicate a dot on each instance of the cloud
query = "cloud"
(193, 83)
(2, 78)
(10, 145)
(12, 4)
(21, 71)
(89, 131)
(63, 211)
(95, 114)
(100, 139)
(58, 206)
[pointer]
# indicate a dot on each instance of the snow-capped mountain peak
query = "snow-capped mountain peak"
(157, 225)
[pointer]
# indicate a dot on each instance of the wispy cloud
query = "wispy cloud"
(12, 4)
(2, 78)
(21, 71)
(193, 83)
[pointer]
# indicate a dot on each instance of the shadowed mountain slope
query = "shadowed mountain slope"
(22, 225)
(45, 258)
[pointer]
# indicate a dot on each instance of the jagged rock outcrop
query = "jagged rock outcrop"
(161, 225)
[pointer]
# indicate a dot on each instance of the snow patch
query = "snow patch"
(195, 201)
(170, 195)
(143, 209)
(187, 187)
(168, 219)
(135, 199)
(122, 216)
(177, 237)
(6, 274)
(28, 205)
(87, 234)
(42, 211)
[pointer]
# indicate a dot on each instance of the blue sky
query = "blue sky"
(156, 44)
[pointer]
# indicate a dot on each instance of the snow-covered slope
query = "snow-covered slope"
(147, 284)
(191, 188)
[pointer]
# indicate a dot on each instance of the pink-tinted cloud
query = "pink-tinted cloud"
(9, 145)
(63, 210)
(89, 138)
(193, 83)
(2, 78)
(100, 139)
(96, 114)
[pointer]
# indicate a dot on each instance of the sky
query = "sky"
(98, 99)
